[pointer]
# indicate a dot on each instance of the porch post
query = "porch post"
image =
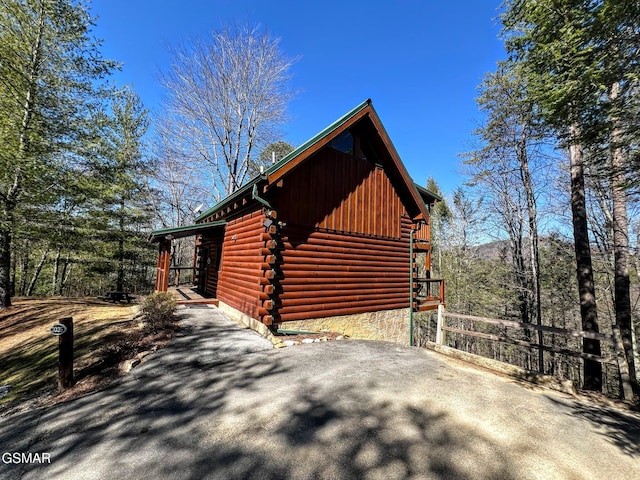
(162, 269)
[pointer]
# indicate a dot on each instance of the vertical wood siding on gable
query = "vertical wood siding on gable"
(336, 192)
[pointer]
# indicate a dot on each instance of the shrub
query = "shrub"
(158, 310)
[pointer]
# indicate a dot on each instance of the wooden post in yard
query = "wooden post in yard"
(65, 359)
(439, 332)
(623, 366)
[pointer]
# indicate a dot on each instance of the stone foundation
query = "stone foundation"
(245, 320)
(386, 325)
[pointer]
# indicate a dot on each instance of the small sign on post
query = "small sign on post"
(64, 331)
(58, 329)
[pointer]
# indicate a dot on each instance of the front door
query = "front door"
(208, 262)
(201, 266)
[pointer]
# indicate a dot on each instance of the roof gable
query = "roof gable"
(364, 117)
(316, 142)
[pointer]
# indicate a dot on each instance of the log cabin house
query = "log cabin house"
(334, 235)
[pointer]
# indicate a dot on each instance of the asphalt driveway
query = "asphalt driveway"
(220, 403)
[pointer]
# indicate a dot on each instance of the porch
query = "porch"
(189, 295)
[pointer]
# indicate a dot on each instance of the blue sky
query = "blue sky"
(419, 61)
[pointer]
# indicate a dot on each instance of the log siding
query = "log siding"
(240, 272)
(329, 273)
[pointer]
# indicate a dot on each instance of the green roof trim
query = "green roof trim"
(423, 191)
(316, 138)
(184, 231)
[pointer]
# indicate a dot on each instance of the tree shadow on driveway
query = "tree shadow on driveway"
(215, 404)
(622, 429)
(219, 403)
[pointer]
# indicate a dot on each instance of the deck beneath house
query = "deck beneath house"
(188, 295)
(427, 304)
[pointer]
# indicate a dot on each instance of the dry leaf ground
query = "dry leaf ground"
(104, 335)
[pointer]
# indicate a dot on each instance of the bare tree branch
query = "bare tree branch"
(226, 97)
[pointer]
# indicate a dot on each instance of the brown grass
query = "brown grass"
(104, 335)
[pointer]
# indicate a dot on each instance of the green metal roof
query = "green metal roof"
(184, 231)
(426, 192)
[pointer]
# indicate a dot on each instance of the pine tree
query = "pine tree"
(50, 86)
(582, 69)
(122, 196)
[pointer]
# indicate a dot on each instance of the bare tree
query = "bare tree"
(178, 189)
(226, 97)
(508, 167)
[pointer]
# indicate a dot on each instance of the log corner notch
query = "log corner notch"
(162, 268)
(272, 258)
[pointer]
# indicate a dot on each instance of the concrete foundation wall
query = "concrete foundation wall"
(244, 319)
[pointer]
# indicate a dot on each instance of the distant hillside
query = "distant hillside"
(498, 250)
(501, 249)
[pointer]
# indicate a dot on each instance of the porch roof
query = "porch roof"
(184, 231)
(427, 195)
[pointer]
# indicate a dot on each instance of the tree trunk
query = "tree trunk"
(534, 251)
(120, 273)
(10, 199)
(36, 273)
(621, 242)
(5, 266)
(56, 271)
(66, 272)
(14, 272)
(24, 269)
(584, 269)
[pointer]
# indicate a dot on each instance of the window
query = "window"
(343, 143)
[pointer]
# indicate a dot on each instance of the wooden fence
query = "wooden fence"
(619, 359)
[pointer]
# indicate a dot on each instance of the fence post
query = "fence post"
(439, 332)
(623, 366)
(65, 359)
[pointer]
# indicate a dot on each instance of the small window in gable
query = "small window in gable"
(343, 143)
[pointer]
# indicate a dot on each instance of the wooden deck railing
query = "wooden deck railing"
(429, 293)
(180, 276)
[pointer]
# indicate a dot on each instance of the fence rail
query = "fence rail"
(619, 359)
(177, 278)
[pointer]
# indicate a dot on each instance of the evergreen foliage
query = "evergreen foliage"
(50, 87)
(73, 186)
